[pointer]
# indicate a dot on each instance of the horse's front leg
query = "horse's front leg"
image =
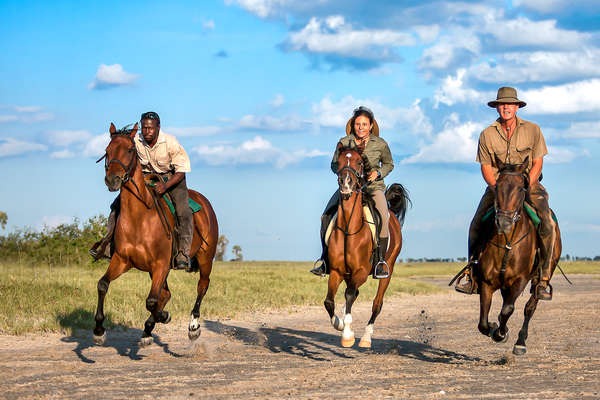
(153, 301)
(351, 294)
(332, 286)
(485, 302)
(509, 297)
(116, 267)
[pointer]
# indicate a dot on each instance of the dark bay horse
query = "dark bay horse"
(351, 245)
(141, 239)
(509, 259)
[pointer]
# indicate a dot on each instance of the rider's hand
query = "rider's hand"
(372, 176)
(160, 188)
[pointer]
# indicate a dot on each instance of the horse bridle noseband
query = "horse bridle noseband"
(513, 215)
(357, 189)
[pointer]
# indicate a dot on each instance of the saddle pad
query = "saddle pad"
(368, 218)
(528, 209)
(195, 207)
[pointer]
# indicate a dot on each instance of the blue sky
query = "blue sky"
(259, 91)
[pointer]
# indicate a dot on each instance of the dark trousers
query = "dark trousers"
(475, 233)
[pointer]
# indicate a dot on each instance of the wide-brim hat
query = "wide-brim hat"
(506, 95)
(374, 131)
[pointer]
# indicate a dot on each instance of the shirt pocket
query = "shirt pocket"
(162, 158)
(524, 147)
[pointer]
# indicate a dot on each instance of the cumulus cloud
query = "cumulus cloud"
(110, 76)
(458, 48)
(65, 138)
(560, 155)
(456, 143)
(569, 98)
(27, 114)
(254, 151)
(12, 147)
(453, 90)
(96, 146)
(329, 113)
(582, 130)
(65, 153)
(278, 100)
(269, 8)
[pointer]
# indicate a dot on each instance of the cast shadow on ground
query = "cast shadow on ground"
(318, 345)
(124, 339)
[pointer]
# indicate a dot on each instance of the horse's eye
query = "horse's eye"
(130, 150)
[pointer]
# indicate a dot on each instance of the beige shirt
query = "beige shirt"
(526, 140)
(167, 155)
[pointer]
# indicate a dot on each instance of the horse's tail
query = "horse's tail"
(398, 200)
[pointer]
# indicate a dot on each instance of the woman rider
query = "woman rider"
(362, 131)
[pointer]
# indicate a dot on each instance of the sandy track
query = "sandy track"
(423, 347)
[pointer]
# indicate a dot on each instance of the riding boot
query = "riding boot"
(381, 270)
(543, 290)
(470, 285)
(182, 259)
(321, 267)
(103, 248)
(538, 197)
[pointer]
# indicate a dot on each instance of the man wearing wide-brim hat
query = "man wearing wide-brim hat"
(512, 140)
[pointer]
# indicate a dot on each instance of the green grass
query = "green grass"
(61, 299)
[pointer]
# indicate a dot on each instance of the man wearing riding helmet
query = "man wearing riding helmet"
(512, 140)
(362, 131)
(161, 154)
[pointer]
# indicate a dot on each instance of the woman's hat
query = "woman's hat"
(374, 131)
(506, 95)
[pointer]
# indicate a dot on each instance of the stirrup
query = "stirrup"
(386, 272)
(319, 270)
(541, 293)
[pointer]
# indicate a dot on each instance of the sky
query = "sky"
(259, 91)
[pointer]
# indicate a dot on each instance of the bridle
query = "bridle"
(129, 169)
(357, 189)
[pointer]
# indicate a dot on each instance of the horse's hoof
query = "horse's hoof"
(146, 341)
(499, 339)
(100, 339)
(194, 334)
(519, 350)
(366, 344)
(493, 327)
(348, 342)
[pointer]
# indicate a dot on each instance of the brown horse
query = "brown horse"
(141, 239)
(351, 245)
(509, 259)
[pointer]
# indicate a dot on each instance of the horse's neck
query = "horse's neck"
(135, 196)
(351, 211)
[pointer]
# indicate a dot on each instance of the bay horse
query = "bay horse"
(509, 259)
(142, 240)
(351, 245)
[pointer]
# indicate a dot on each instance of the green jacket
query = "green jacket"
(377, 152)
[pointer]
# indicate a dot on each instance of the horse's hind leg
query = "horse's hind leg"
(332, 286)
(365, 341)
(520, 347)
(194, 326)
(115, 269)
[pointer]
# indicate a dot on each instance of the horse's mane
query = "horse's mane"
(124, 131)
(509, 168)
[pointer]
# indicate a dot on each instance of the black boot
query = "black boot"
(320, 267)
(469, 286)
(381, 270)
(102, 248)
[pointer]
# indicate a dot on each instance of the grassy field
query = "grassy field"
(61, 299)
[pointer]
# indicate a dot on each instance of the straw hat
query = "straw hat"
(506, 95)
(374, 131)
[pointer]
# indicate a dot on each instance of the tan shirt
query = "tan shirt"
(167, 155)
(526, 140)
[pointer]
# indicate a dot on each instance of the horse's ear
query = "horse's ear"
(499, 162)
(134, 130)
(112, 129)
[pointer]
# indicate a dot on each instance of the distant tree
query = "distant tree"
(3, 219)
(597, 258)
(237, 253)
(222, 243)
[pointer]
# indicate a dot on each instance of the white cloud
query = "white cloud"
(52, 221)
(187, 131)
(65, 153)
(13, 147)
(453, 91)
(265, 8)
(96, 146)
(334, 36)
(569, 98)
(108, 76)
(254, 151)
(539, 66)
(560, 155)
(459, 46)
(268, 123)
(67, 137)
(27, 114)
(278, 100)
(457, 143)
(584, 129)
(28, 109)
(331, 114)
(209, 25)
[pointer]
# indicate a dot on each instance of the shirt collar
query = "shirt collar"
(161, 138)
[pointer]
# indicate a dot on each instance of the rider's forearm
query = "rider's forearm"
(175, 179)
(488, 174)
(536, 170)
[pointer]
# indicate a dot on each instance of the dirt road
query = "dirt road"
(423, 347)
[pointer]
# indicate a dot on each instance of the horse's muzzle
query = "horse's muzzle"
(113, 182)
